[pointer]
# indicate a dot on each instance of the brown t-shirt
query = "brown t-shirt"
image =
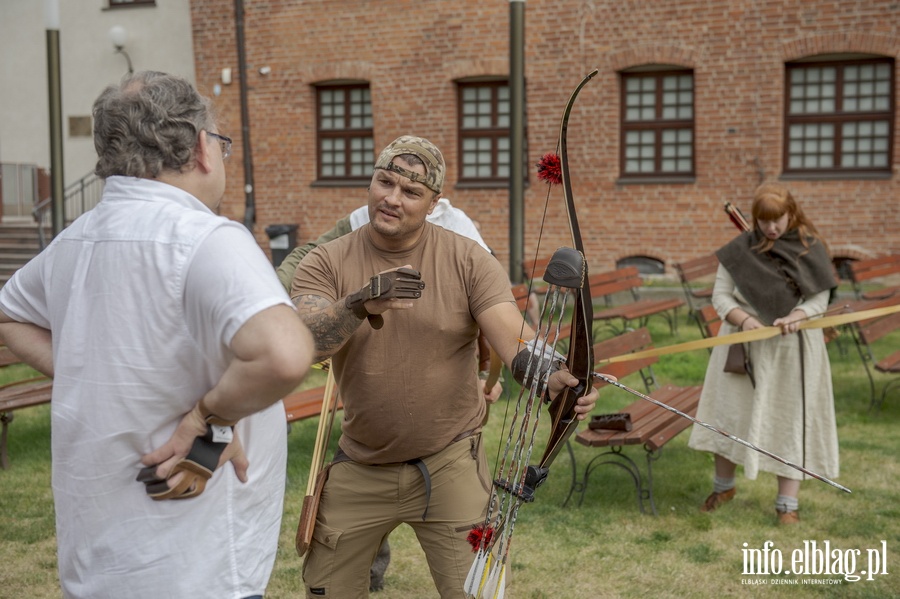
(411, 387)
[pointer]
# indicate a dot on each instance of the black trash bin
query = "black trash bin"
(282, 239)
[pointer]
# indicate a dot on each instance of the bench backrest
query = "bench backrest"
(300, 405)
(615, 281)
(883, 266)
(709, 321)
(874, 329)
(534, 268)
(697, 268)
(874, 268)
(629, 342)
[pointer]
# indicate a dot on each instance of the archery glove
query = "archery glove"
(197, 467)
(199, 464)
(528, 365)
(403, 283)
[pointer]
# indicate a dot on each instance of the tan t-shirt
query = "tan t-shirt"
(411, 387)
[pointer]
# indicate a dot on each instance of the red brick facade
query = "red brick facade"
(412, 52)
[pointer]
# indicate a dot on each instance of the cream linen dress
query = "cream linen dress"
(790, 412)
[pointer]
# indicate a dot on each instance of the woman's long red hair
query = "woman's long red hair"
(771, 201)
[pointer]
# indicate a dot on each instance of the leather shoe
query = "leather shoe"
(716, 499)
(787, 517)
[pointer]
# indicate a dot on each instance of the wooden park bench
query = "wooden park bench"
(24, 393)
(606, 285)
(866, 333)
(300, 405)
(693, 271)
(651, 426)
(709, 321)
(863, 271)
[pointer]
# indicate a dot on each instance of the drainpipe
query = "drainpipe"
(249, 197)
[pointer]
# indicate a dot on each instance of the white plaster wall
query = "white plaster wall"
(159, 39)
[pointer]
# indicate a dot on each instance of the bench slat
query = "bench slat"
(639, 309)
(649, 421)
(300, 405)
(874, 268)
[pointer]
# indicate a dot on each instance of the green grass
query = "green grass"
(603, 548)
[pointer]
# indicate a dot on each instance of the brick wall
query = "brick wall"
(411, 53)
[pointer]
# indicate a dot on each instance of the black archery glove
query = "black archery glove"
(403, 283)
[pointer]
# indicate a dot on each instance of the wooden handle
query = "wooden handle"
(308, 513)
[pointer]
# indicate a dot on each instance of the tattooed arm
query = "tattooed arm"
(331, 323)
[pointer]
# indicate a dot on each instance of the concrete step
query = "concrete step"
(19, 243)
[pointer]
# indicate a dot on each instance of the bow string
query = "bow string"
(517, 479)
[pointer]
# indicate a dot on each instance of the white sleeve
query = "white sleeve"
(723, 299)
(359, 217)
(454, 219)
(229, 280)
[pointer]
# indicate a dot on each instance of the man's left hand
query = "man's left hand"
(563, 378)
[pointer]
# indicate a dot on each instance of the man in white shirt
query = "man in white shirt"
(162, 327)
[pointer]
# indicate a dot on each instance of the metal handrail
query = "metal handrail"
(78, 198)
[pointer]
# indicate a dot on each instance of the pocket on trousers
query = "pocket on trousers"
(327, 536)
(318, 563)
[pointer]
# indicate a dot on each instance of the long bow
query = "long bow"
(580, 359)
(517, 479)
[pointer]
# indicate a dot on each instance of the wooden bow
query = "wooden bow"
(318, 472)
(517, 480)
(580, 359)
(755, 334)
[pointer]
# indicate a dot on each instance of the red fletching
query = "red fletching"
(480, 536)
(548, 169)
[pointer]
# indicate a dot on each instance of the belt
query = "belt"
(340, 456)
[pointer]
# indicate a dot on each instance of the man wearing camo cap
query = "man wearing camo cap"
(397, 304)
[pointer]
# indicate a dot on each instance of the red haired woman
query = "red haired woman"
(779, 273)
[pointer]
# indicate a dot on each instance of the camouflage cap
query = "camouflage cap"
(425, 150)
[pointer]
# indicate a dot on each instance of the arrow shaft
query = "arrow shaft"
(734, 438)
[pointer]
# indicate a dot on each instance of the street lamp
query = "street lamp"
(118, 35)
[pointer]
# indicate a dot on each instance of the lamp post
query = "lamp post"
(118, 35)
(54, 91)
(517, 139)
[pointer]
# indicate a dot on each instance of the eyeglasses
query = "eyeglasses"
(224, 141)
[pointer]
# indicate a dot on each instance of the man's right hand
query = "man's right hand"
(166, 465)
(389, 290)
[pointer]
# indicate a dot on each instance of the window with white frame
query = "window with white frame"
(657, 121)
(839, 116)
(484, 134)
(345, 139)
